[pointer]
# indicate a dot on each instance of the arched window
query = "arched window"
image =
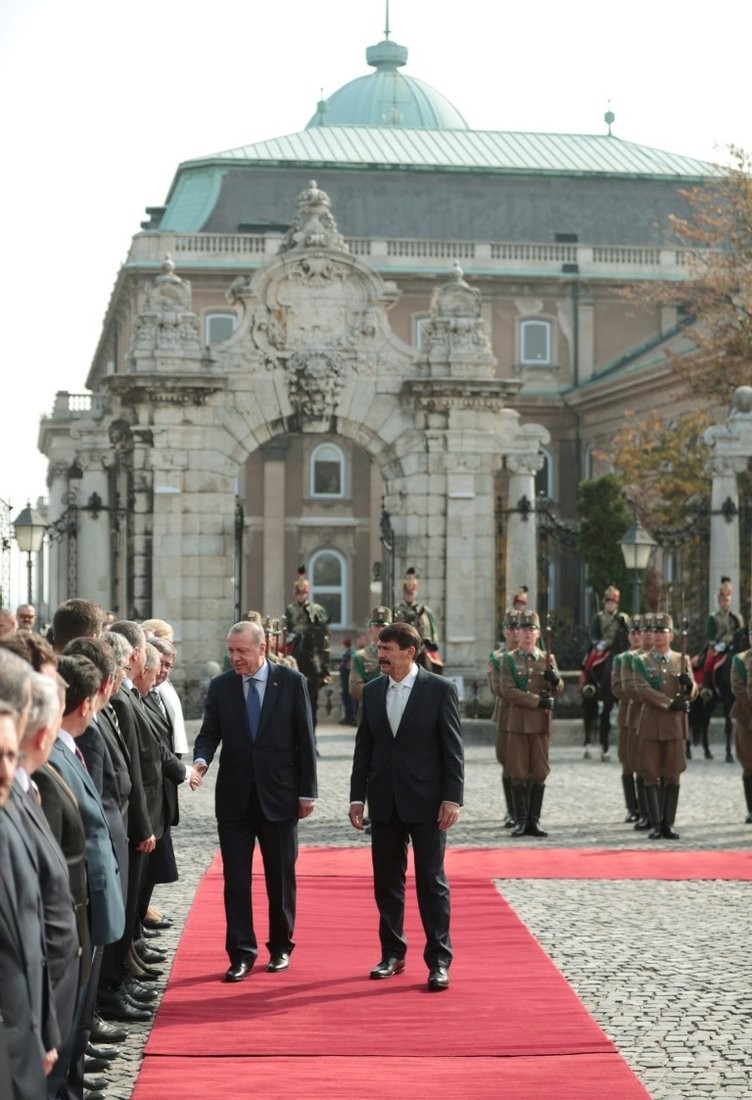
(535, 343)
(219, 327)
(327, 570)
(327, 471)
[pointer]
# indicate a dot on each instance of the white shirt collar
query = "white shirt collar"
(261, 673)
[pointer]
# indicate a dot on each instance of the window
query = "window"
(328, 572)
(327, 471)
(420, 330)
(219, 327)
(544, 479)
(535, 342)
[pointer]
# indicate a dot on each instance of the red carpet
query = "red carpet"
(510, 1024)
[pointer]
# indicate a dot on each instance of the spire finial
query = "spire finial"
(609, 117)
(386, 28)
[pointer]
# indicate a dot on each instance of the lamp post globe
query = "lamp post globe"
(29, 528)
(636, 546)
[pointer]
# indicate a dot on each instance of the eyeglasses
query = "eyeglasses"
(9, 756)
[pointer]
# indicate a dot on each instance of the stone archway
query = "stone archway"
(314, 353)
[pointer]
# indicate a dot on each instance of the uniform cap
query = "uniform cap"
(380, 616)
(637, 623)
(511, 620)
(528, 619)
(662, 621)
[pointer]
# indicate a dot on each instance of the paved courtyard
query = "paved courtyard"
(661, 965)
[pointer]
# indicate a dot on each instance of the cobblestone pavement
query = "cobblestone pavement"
(658, 964)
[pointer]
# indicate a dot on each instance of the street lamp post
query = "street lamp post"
(636, 546)
(29, 528)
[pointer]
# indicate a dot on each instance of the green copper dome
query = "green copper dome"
(388, 98)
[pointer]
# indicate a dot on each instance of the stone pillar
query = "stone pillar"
(724, 523)
(522, 526)
(274, 526)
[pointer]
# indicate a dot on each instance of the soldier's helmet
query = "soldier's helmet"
(519, 598)
(380, 616)
(663, 621)
(635, 624)
(612, 593)
(528, 620)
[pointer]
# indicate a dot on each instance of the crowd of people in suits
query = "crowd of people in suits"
(91, 739)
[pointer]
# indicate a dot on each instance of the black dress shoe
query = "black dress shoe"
(146, 955)
(667, 832)
(238, 971)
(438, 979)
(95, 1065)
(102, 1054)
(141, 993)
(95, 1084)
(149, 933)
(278, 962)
(157, 925)
(117, 1006)
(387, 968)
(97, 1095)
(102, 1032)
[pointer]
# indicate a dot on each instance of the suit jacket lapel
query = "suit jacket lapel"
(270, 697)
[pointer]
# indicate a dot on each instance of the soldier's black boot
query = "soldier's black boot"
(536, 803)
(670, 802)
(630, 797)
(643, 822)
(653, 801)
(506, 784)
(519, 796)
(748, 796)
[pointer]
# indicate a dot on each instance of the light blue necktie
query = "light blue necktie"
(253, 707)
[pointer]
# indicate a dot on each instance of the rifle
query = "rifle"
(549, 657)
(683, 636)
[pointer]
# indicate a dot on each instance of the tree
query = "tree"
(717, 241)
(605, 516)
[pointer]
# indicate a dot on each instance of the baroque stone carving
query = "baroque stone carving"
(315, 379)
(314, 225)
(528, 464)
(167, 321)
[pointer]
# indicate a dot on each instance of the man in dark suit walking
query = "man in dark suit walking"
(266, 782)
(409, 765)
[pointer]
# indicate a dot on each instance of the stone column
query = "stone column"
(522, 526)
(274, 526)
(724, 523)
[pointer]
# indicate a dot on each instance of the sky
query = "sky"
(102, 101)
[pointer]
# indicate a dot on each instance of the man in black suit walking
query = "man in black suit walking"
(266, 782)
(408, 763)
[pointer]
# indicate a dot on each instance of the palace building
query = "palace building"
(384, 341)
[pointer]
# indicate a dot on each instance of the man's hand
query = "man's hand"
(201, 767)
(546, 702)
(48, 1061)
(194, 777)
(356, 814)
(550, 677)
(686, 681)
(679, 704)
(449, 814)
(305, 807)
(147, 845)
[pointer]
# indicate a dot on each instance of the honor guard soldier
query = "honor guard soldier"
(741, 712)
(529, 683)
(641, 642)
(409, 610)
(511, 631)
(665, 685)
(365, 662)
(618, 690)
(720, 631)
(307, 635)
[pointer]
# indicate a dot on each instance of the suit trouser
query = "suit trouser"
(115, 954)
(389, 840)
(278, 841)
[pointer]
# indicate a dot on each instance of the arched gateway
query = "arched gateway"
(312, 355)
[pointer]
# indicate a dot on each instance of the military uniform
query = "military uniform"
(501, 711)
(619, 692)
(741, 712)
(628, 665)
(529, 683)
(417, 615)
(365, 662)
(665, 686)
(721, 628)
(301, 617)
